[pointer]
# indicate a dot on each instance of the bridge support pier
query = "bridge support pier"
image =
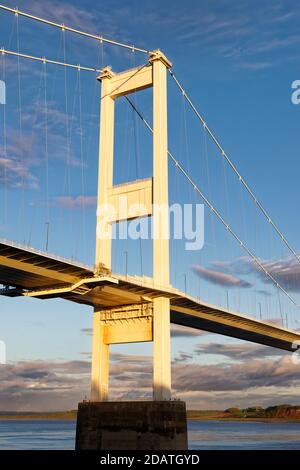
(156, 425)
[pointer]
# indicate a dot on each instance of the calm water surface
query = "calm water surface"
(202, 435)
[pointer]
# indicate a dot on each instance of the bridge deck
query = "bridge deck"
(27, 272)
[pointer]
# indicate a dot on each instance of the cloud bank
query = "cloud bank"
(247, 374)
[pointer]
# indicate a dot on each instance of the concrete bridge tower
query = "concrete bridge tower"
(161, 423)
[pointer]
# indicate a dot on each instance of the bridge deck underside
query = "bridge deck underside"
(25, 270)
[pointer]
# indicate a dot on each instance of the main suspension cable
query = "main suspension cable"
(63, 27)
(4, 51)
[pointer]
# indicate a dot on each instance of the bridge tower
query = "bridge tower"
(147, 321)
(136, 198)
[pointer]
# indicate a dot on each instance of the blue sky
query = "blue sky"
(237, 60)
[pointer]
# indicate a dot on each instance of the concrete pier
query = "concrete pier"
(143, 425)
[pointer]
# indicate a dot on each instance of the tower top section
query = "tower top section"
(157, 54)
(106, 72)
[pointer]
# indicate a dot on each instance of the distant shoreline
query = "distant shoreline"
(192, 416)
(246, 420)
(232, 420)
(55, 416)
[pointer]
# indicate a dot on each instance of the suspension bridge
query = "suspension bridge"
(130, 307)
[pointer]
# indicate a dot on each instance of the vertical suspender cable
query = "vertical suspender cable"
(22, 201)
(4, 143)
(82, 163)
(46, 144)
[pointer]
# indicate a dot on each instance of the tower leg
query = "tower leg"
(105, 177)
(100, 361)
(161, 349)
(161, 262)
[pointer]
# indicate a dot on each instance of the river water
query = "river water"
(209, 435)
